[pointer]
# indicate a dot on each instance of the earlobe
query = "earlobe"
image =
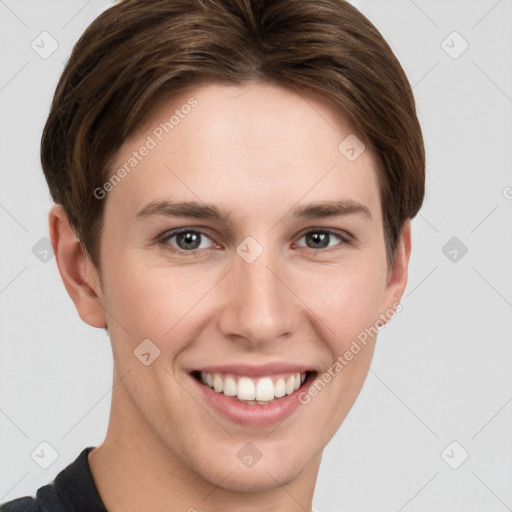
(78, 274)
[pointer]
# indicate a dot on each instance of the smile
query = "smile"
(254, 391)
(252, 396)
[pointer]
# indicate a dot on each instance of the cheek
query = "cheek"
(152, 303)
(349, 302)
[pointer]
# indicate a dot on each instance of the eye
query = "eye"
(321, 239)
(186, 240)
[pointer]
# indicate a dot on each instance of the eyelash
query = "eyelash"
(344, 237)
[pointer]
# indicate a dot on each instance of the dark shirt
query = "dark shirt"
(72, 490)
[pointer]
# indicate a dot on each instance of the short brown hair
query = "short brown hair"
(140, 49)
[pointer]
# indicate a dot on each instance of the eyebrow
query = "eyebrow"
(193, 209)
(324, 209)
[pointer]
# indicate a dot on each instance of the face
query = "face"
(248, 252)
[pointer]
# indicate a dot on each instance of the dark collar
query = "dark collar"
(75, 486)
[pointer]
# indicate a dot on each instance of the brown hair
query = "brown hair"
(140, 49)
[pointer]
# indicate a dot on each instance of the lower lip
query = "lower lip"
(253, 415)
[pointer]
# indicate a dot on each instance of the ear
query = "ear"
(398, 273)
(78, 273)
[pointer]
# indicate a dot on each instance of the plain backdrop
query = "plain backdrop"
(431, 430)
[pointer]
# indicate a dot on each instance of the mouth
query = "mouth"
(250, 397)
(253, 391)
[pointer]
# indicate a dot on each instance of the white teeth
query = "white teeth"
(229, 386)
(280, 388)
(290, 385)
(218, 383)
(246, 389)
(253, 391)
(264, 389)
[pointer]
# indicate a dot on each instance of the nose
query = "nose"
(260, 306)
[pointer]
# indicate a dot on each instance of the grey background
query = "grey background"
(442, 368)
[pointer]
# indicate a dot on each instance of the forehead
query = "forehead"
(255, 144)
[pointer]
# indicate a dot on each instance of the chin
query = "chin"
(276, 468)
(259, 479)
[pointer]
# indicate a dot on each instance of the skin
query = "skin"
(256, 150)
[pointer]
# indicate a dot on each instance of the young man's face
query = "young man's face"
(261, 293)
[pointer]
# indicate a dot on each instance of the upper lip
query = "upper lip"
(256, 370)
